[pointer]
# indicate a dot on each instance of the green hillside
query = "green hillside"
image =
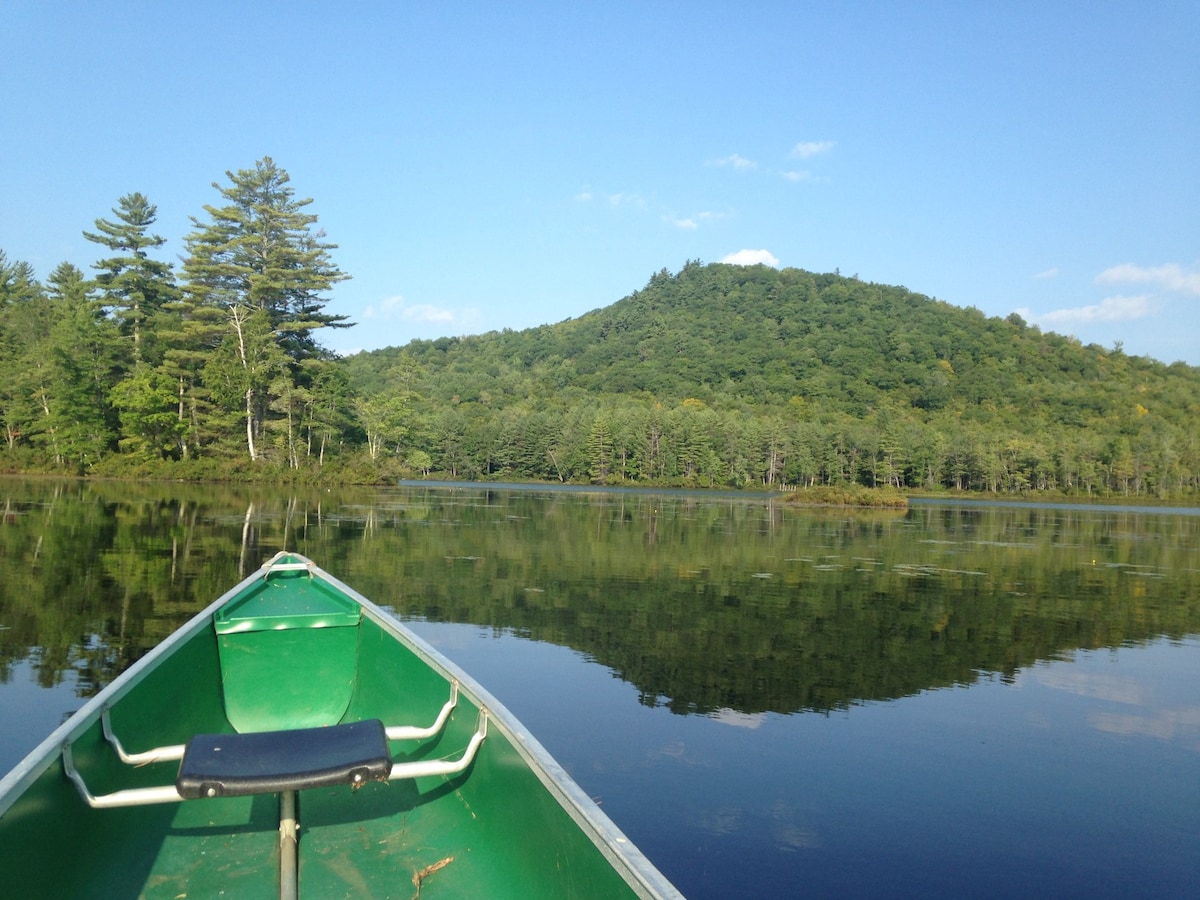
(729, 375)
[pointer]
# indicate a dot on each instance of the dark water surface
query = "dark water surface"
(956, 700)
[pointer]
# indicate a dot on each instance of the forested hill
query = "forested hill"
(730, 374)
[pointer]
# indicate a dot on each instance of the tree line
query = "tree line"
(139, 361)
(733, 376)
(716, 376)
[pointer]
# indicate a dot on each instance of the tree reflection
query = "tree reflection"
(703, 604)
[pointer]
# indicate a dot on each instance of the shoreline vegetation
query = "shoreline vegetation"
(718, 376)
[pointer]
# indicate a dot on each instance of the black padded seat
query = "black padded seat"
(233, 765)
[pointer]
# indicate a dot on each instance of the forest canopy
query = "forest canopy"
(714, 376)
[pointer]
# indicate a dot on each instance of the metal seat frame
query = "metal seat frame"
(284, 782)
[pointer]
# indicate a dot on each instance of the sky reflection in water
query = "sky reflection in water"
(1076, 777)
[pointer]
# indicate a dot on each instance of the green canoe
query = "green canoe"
(294, 739)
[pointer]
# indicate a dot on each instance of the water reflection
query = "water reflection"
(1006, 697)
(716, 606)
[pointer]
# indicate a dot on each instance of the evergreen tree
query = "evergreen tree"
(134, 285)
(260, 262)
(260, 251)
(23, 330)
(17, 281)
(190, 332)
(86, 357)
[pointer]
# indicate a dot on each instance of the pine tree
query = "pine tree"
(190, 332)
(23, 330)
(260, 262)
(86, 362)
(242, 370)
(260, 251)
(135, 286)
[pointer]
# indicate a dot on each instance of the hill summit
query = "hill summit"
(733, 375)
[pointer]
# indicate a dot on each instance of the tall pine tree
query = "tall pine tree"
(135, 286)
(261, 262)
(260, 251)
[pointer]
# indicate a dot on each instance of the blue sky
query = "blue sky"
(485, 166)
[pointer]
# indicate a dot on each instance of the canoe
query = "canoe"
(294, 739)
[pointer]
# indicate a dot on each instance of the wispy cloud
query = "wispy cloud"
(1168, 277)
(398, 308)
(1111, 309)
(752, 258)
(738, 719)
(1090, 684)
(614, 200)
(690, 223)
(734, 161)
(809, 149)
(634, 200)
(793, 175)
(1047, 273)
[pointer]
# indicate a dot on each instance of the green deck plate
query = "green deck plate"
(286, 600)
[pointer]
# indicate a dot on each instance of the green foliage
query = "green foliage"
(134, 286)
(718, 376)
(260, 251)
(668, 592)
(146, 401)
(732, 376)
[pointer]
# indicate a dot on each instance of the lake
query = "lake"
(958, 699)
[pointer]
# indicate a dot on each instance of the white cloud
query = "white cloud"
(398, 308)
(752, 258)
(807, 149)
(424, 312)
(1048, 273)
(735, 161)
(1111, 309)
(738, 719)
(615, 201)
(691, 223)
(634, 200)
(802, 175)
(385, 308)
(1168, 277)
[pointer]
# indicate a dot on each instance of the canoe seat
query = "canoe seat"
(267, 762)
(233, 765)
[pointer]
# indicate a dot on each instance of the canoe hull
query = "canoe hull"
(512, 824)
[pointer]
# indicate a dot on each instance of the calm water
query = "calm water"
(956, 700)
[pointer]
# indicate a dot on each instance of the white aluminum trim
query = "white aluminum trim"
(642, 875)
(171, 753)
(46, 754)
(128, 797)
(415, 733)
(428, 768)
